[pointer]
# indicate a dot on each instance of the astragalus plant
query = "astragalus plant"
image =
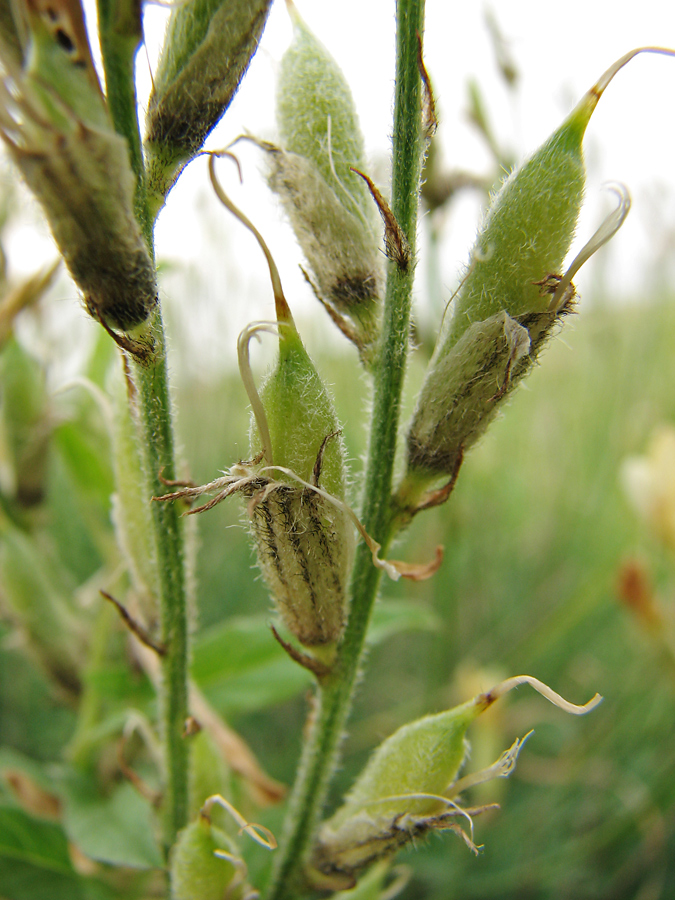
(102, 179)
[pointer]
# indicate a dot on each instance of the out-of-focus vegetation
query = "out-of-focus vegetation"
(536, 537)
(548, 570)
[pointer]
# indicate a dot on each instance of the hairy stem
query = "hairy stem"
(335, 695)
(157, 437)
(120, 30)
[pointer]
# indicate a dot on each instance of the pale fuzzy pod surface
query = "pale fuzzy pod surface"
(207, 49)
(514, 267)
(304, 541)
(331, 211)
(69, 154)
(398, 796)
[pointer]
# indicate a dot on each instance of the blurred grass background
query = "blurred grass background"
(535, 535)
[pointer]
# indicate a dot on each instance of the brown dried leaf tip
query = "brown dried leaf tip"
(395, 242)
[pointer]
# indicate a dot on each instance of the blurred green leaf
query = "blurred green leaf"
(35, 863)
(232, 647)
(32, 768)
(42, 844)
(119, 683)
(274, 682)
(118, 829)
(23, 881)
(392, 617)
(87, 455)
(242, 668)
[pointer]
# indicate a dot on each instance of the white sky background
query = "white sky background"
(218, 282)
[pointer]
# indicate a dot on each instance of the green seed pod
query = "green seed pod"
(205, 862)
(295, 481)
(406, 788)
(209, 773)
(329, 206)
(207, 49)
(304, 541)
(513, 295)
(197, 873)
(56, 126)
(462, 390)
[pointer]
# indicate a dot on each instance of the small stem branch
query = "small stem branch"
(335, 694)
(120, 32)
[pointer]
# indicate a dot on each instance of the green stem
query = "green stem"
(335, 695)
(157, 437)
(120, 31)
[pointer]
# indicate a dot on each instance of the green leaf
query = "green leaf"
(234, 646)
(392, 617)
(242, 668)
(118, 829)
(34, 859)
(42, 844)
(22, 881)
(267, 685)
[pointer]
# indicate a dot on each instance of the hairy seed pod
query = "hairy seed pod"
(209, 774)
(463, 389)
(304, 540)
(207, 49)
(510, 301)
(295, 483)
(55, 123)
(331, 211)
(407, 787)
(197, 873)
(398, 796)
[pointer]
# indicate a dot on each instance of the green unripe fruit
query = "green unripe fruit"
(398, 795)
(209, 773)
(463, 388)
(407, 787)
(422, 757)
(304, 541)
(510, 301)
(57, 128)
(207, 49)
(331, 211)
(300, 415)
(317, 118)
(196, 872)
(527, 232)
(294, 482)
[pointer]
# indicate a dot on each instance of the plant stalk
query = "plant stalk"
(335, 694)
(120, 31)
